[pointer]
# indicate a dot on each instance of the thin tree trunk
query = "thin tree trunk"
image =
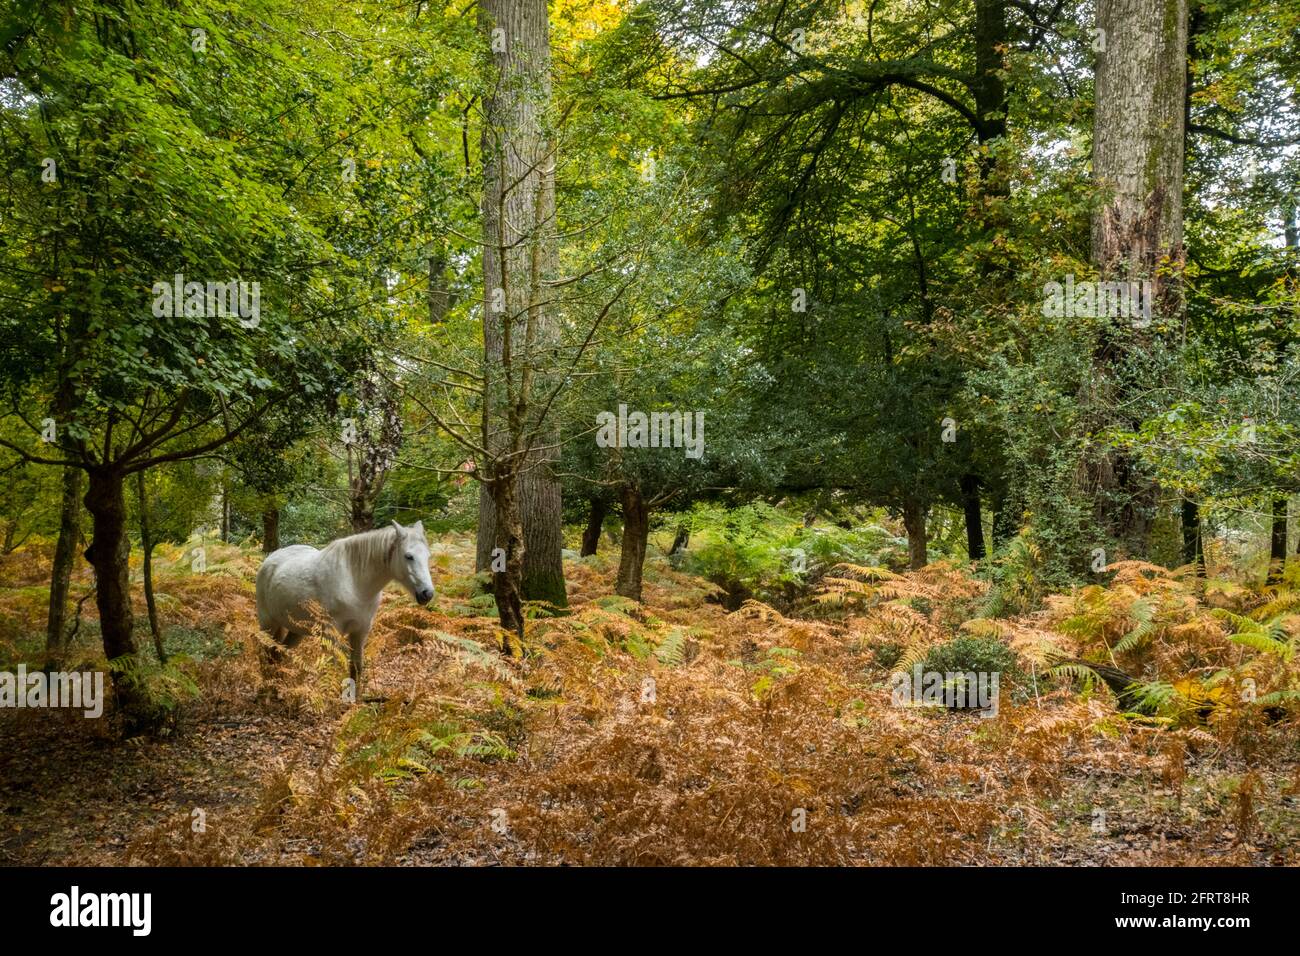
(225, 513)
(598, 508)
(1192, 551)
(64, 558)
(1006, 524)
(108, 554)
(505, 582)
(270, 529)
(636, 532)
(146, 545)
(1277, 542)
(970, 500)
(917, 545)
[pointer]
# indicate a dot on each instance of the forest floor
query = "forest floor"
(672, 732)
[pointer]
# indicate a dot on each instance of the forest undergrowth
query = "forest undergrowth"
(1150, 719)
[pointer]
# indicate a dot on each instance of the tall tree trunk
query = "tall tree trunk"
(1192, 551)
(1137, 232)
(146, 545)
(970, 501)
(990, 90)
(109, 554)
(917, 544)
(65, 551)
(636, 532)
(598, 507)
(519, 254)
(270, 529)
(1277, 542)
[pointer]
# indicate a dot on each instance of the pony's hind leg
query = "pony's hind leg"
(273, 653)
(271, 656)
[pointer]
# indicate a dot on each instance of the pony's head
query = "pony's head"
(410, 561)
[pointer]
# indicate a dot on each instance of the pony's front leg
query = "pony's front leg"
(357, 647)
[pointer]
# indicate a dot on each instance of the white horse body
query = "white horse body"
(346, 579)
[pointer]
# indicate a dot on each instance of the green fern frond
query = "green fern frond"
(1279, 698)
(1143, 612)
(672, 649)
(1239, 622)
(1265, 644)
(1082, 673)
(1154, 696)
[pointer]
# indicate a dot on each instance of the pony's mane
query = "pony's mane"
(367, 547)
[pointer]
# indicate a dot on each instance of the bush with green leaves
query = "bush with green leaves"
(980, 655)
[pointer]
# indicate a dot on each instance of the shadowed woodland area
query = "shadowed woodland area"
(844, 433)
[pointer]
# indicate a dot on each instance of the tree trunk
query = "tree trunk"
(970, 500)
(990, 89)
(541, 508)
(1277, 542)
(1192, 551)
(109, 554)
(146, 545)
(1137, 232)
(361, 511)
(1006, 524)
(439, 295)
(636, 531)
(64, 559)
(681, 540)
(914, 522)
(270, 530)
(599, 507)
(510, 539)
(1137, 150)
(225, 514)
(519, 254)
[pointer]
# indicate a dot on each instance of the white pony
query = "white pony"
(345, 578)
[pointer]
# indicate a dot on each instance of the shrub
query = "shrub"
(982, 655)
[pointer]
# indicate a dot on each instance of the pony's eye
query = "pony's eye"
(410, 557)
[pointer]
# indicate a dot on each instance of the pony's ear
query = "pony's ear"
(401, 532)
(418, 529)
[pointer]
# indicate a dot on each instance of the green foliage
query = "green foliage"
(396, 742)
(770, 552)
(981, 655)
(160, 689)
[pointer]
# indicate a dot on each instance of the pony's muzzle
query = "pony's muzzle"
(424, 595)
